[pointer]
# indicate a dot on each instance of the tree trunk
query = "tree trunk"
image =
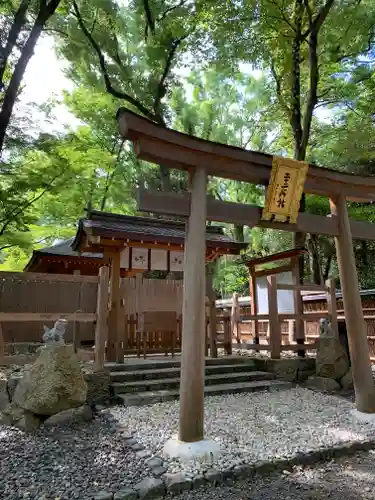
(45, 12)
(239, 233)
(18, 23)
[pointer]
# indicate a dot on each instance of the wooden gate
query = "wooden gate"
(152, 311)
(152, 315)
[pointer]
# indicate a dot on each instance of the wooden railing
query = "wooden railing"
(296, 320)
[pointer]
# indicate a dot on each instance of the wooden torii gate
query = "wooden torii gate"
(202, 158)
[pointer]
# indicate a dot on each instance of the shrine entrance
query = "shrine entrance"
(286, 181)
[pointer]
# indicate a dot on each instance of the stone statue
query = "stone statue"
(331, 358)
(326, 329)
(56, 334)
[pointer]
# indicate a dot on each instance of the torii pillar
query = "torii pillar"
(190, 442)
(357, 338)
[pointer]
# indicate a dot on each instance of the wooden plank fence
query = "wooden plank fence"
(29, 300)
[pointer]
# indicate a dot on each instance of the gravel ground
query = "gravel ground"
(68, 464)
(253, 428)
(350, 478)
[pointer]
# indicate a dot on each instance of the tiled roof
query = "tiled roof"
(65, 248)
(148, 229)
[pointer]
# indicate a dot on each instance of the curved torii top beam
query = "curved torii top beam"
(174, 149)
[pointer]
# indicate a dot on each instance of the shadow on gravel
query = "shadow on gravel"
(345, 479)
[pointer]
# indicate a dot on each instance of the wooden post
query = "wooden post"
(114, 320)
(357, 338)
(212, 316)
(2, 344)
(274, 323)
(227, 332)
(191, 424)
(101, 329)
(298, 306)
(332, 305)
(290, 331)
(253, 304)
(235, 318)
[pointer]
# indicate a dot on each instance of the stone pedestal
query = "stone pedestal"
(206, 450)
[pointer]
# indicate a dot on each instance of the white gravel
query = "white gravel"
(253, 428)
(77, 463)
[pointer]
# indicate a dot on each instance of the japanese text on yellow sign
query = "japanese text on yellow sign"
(285, 190)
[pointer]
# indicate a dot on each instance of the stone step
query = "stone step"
(148, 364)
(151, 397)
(174, 383)
(174, 372)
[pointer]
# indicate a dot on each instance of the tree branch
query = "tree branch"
(110, 176)
(278, 88)
(150, 23)
(295, 96)
(13, 214)
(283, 17)
(170, 9)
(108, 85)
(312, 99)
(161, 89)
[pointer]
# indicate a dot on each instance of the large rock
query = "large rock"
(15, 416)
(13, 381)
(98, 384)
(331, 358)
(74, 416)
(347, 381)
(322, 384)
(291, 369)
(4, 397)
(53, 383)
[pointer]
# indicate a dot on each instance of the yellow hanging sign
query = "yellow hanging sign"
(285, 189)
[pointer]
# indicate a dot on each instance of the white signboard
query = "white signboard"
(124, 259)
(177, 261)
(159, 259)
(140, 258)
(285, 301)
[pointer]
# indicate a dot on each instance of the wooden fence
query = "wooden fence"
(30, 300)
(296, 322)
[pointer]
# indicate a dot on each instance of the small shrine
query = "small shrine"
(142, 243)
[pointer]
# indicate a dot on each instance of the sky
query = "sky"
(39, 86)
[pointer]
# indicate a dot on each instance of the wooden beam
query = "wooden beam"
(267, 347)
(288, 254)
(357, 338)
(302, 288)
(76, 316)
(249, 215)
(273, 270)
(161, 145)
(191, 424)
(68, 278)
